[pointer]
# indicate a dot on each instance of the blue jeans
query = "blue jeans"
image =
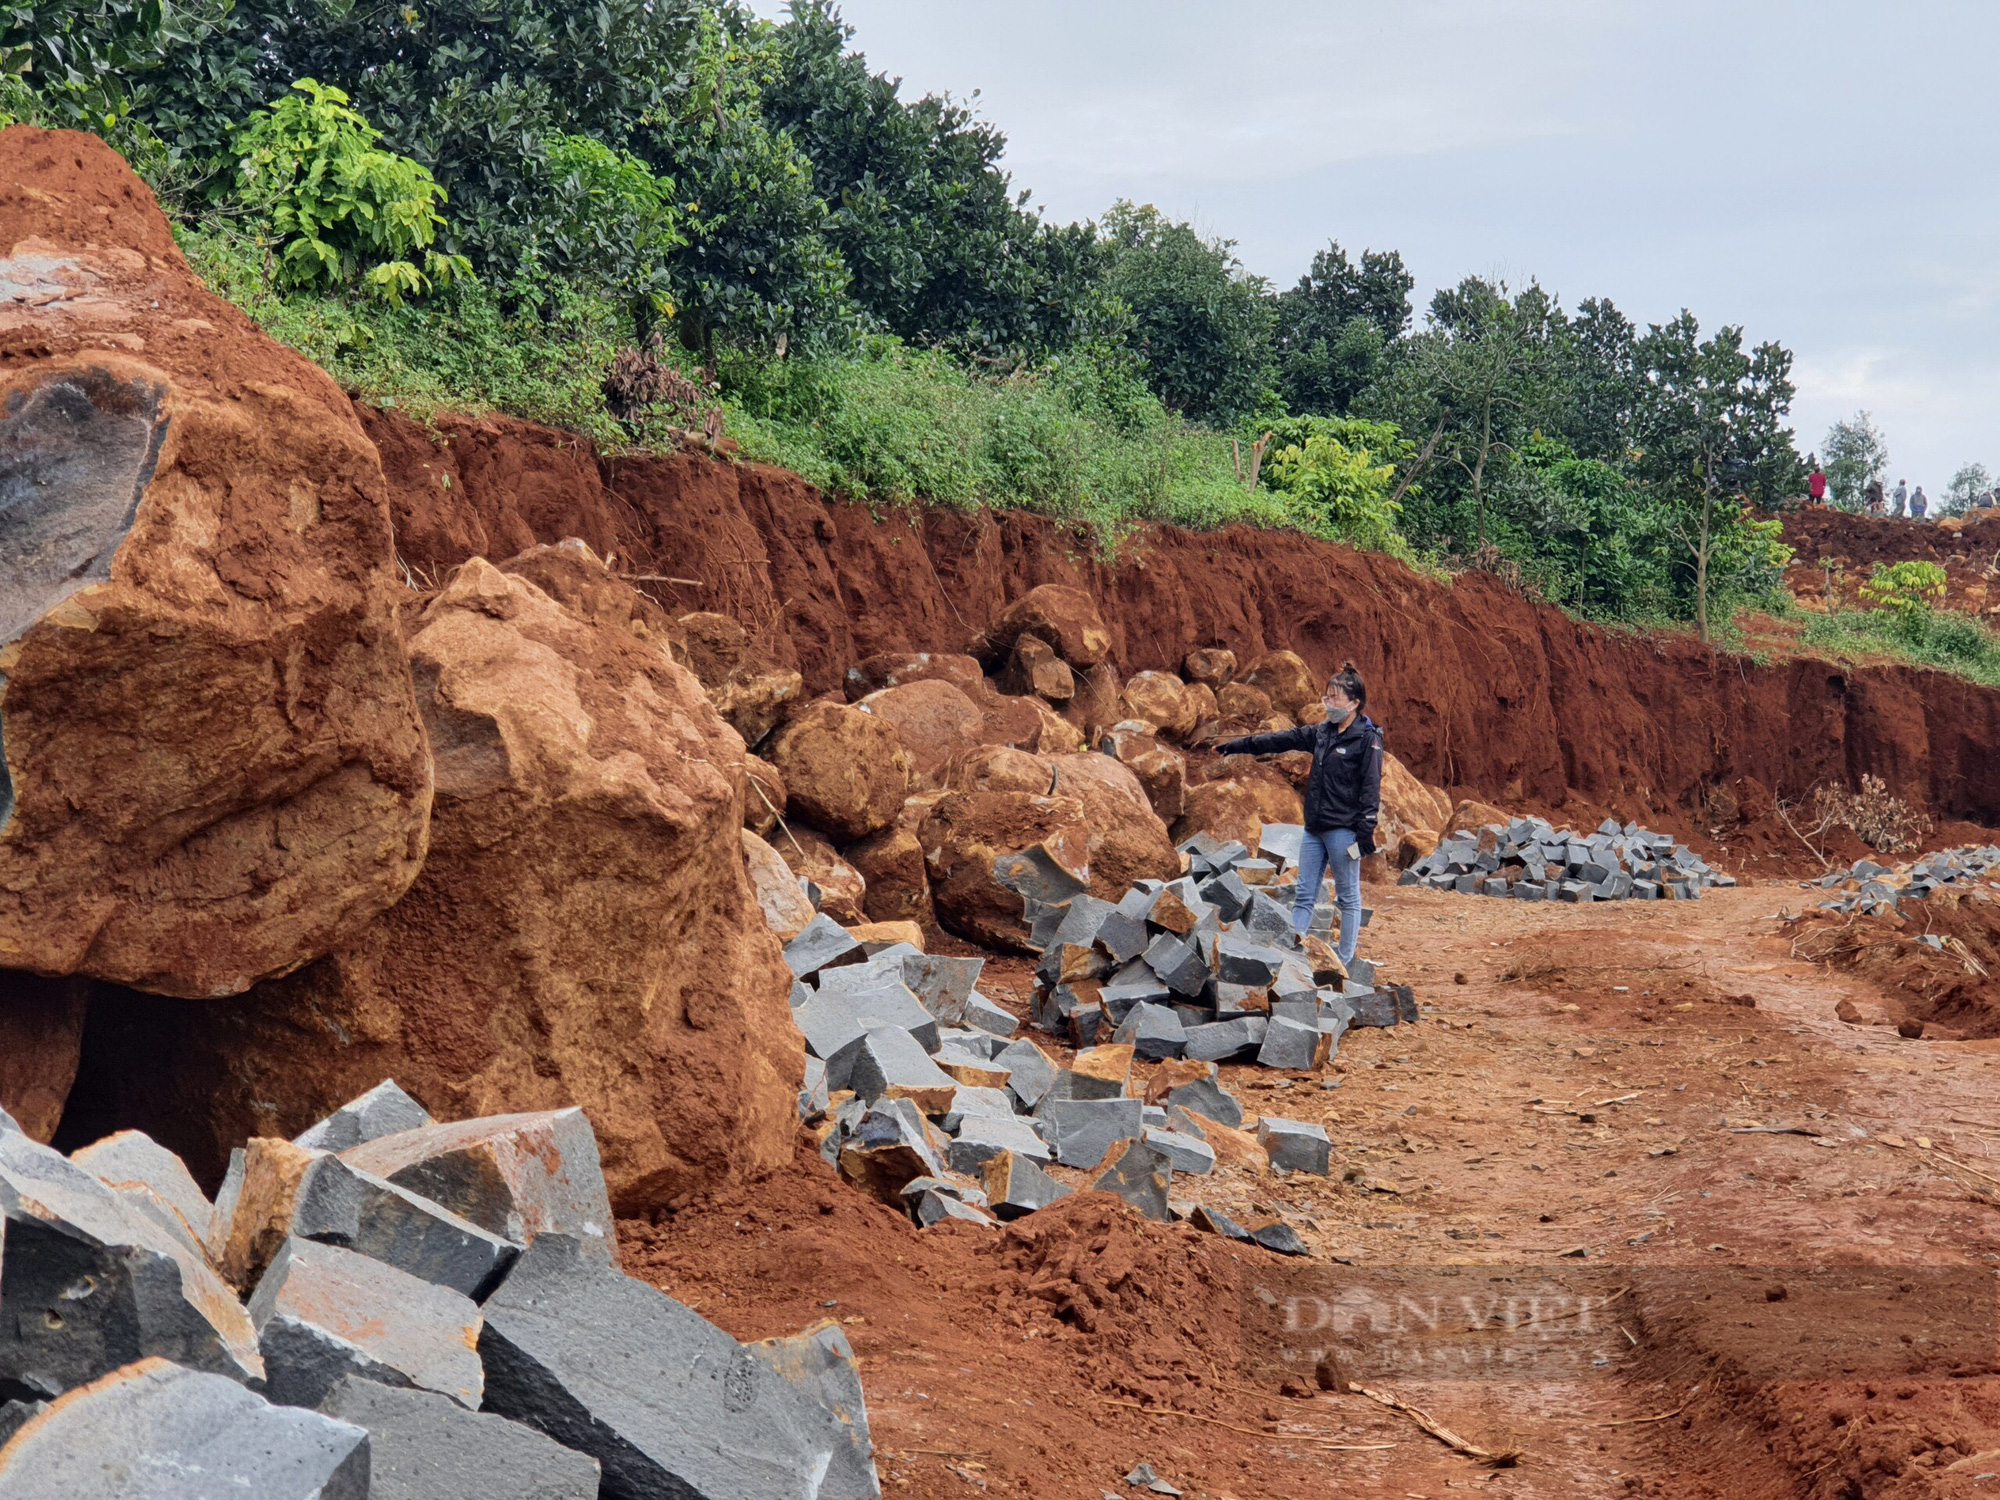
(1318, 852)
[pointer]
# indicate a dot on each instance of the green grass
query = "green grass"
(885, 424)
(1939, 639)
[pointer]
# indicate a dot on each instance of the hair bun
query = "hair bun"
(1348, 666)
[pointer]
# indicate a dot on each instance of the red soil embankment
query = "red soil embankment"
(1479, 688)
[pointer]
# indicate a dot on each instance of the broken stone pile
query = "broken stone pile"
(1530, 859)
(919, 1090)
(1207, 966)
(1874, 889)
(385, 1308)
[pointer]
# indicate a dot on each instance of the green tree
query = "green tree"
(1967, 485)
(1600, 382)
(1476, 380)
(1711, 435)
(1334, 328)
(939, 247)
(1200, 321)
(1852, 453)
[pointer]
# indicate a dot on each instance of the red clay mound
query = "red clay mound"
(217, 767)
(1007, 1349)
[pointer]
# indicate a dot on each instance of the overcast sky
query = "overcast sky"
(1821, 173)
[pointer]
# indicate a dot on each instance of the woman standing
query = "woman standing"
(1343, 799)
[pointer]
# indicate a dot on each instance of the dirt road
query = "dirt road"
(1597, 1089)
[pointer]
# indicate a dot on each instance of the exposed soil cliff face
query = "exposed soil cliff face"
(1479, 688)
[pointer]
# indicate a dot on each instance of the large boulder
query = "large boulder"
(1098, 702)
(779, 896)
(1228, 809)
(764, 795)
(1239, 702)
(748, 686)
(1063, 616)
(1408, 804)
(1287, 680)
(1161, 769)
(967, 833)
(1034, 670)
(933, 719)
(845, 771)
(1001, 768)
(584, 931)
(215, 770)
(1127, 841)
(1161, 699)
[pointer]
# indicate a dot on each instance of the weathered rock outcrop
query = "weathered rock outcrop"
(215, 770)
(584, 931)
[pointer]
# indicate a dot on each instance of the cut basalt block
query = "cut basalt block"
(1152, 1031)
(425, 1447)
(1295, 1145)
(515, 1176)
(983, 1137)
(156, 1430)
(819, 1367)
(1083, 1131)
(821, 944)
(668, 1403)
(383, 1110)
(133, 1159)
(88, 1282)
(288, 1190)
(1030, 1073)
(988, 1017)
(887, 1062)
(324, 1313)
(1294, 1044)
(1184, 1153)
(1016, 1186)
(1222, 1041)
(1140, 1176)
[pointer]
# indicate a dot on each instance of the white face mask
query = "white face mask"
(1337, 714)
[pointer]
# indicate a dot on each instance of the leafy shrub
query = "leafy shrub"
(1905, 591)
(340, 208)
(1346, 485)
(606, 217)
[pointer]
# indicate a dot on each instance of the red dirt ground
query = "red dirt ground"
(997, 1361)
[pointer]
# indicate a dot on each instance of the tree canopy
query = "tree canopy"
(680, 174)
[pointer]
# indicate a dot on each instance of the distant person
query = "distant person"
(1816, 481)
(1343, 799)
(1899, 498)
(1918, 504)
(1872, 499)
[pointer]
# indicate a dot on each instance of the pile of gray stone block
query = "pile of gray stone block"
(1207, 966)
(385, 1308)
(922, 1094)
(1530, 859)
(1875, 889)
